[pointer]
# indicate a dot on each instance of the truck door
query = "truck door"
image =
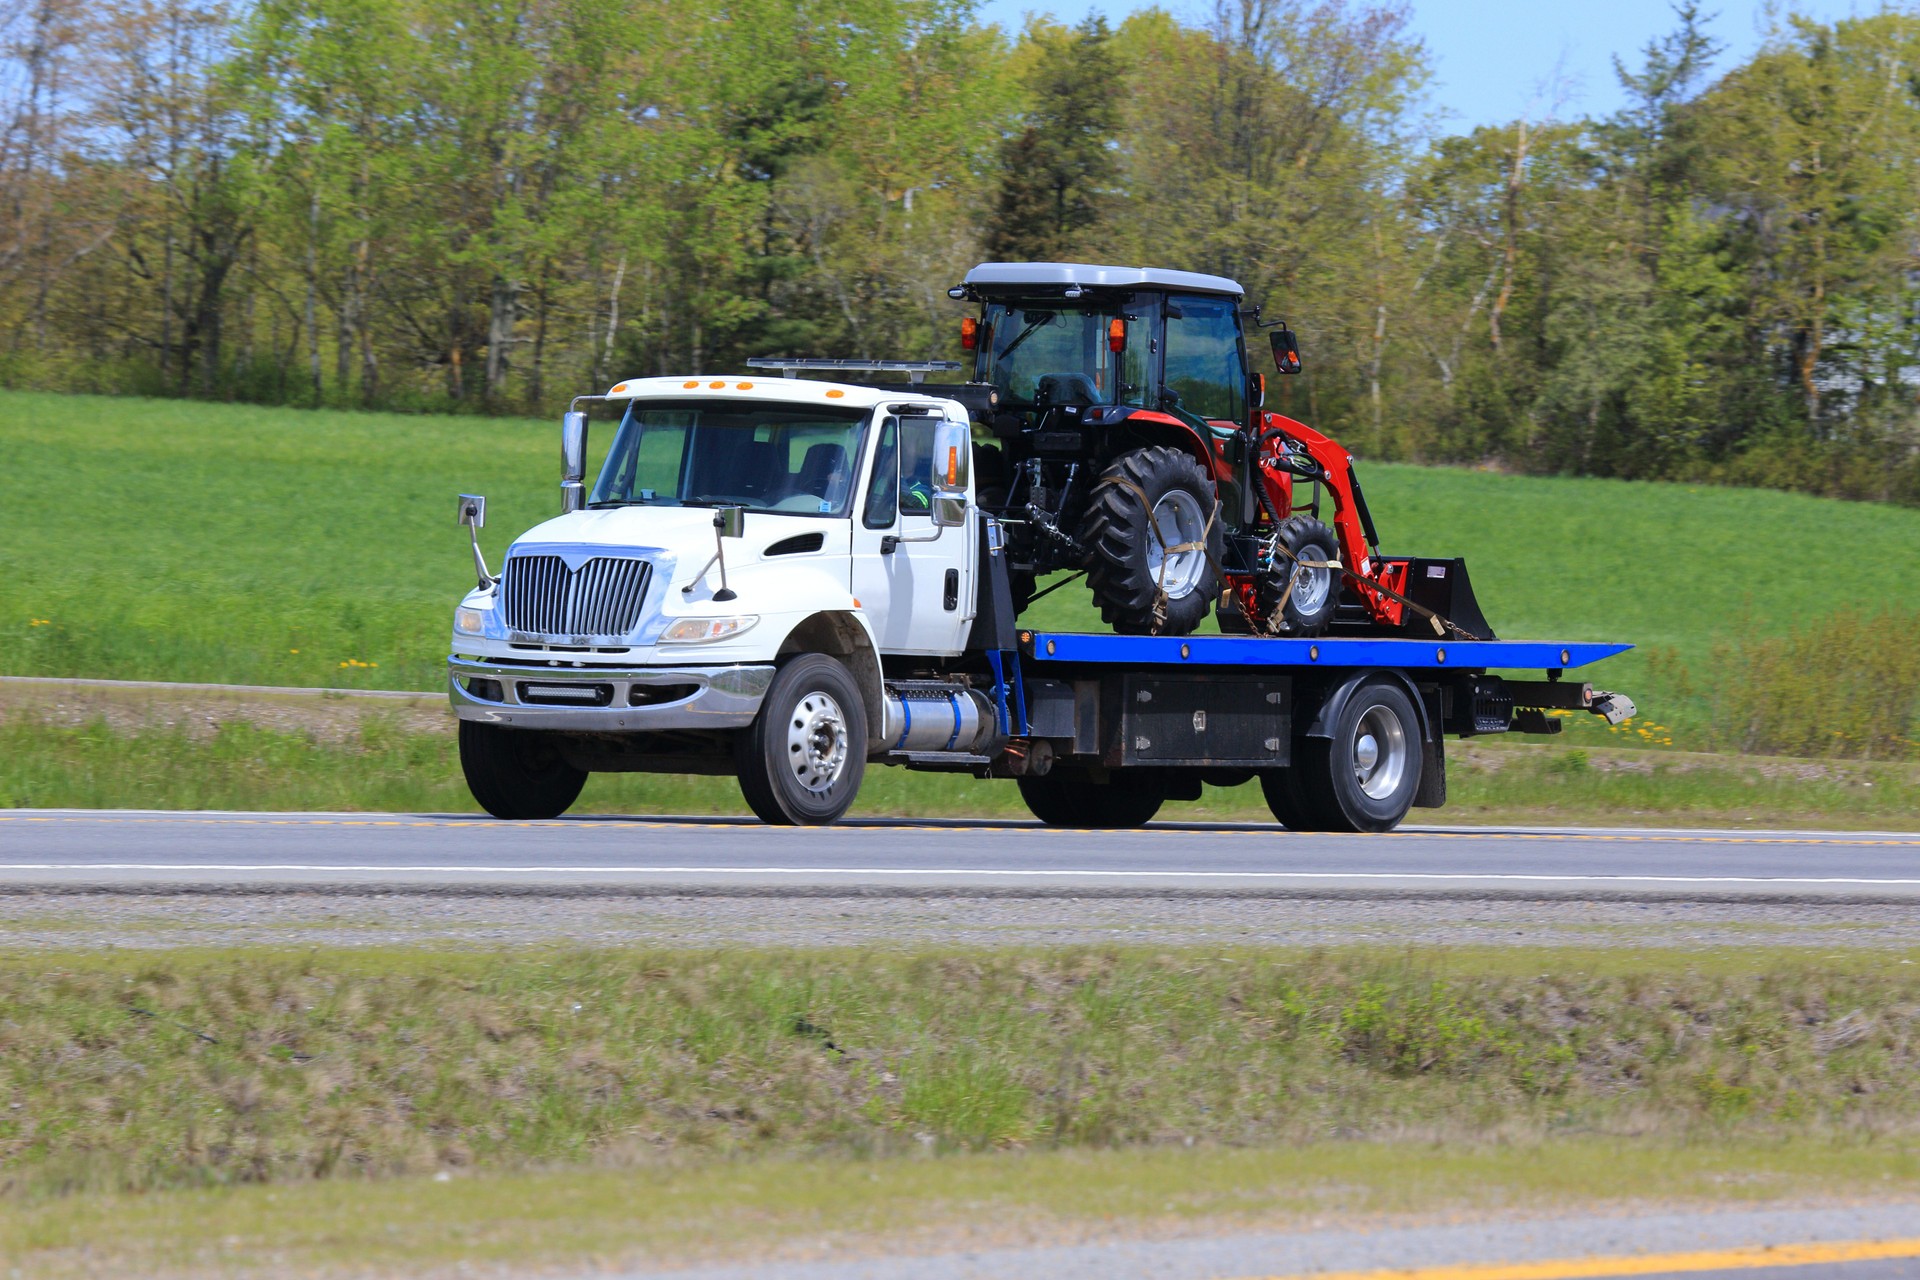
(915, 588)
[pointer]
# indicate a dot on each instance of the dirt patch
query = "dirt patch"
(326, 715)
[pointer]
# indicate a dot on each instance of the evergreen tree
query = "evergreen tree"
(1057, 171)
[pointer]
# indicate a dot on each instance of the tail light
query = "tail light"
(969, 333)
(1116, 335)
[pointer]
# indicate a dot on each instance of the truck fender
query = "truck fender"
(845, 635)
(1336, 701)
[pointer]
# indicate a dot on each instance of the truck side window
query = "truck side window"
(1204, 364)
(916, 466)
(883, 490)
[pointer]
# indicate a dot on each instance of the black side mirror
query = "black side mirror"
(1286, 350)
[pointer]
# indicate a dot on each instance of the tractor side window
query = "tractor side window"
(883, 489)
(1204, 364)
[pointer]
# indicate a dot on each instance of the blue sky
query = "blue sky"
(1495, 59)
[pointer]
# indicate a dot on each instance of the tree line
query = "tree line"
(491, 205)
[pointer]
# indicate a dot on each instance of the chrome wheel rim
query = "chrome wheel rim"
(817, 742)
(1379, 753)
(1310, 586)
(1178, 522)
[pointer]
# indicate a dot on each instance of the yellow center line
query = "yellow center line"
(1743, 1258)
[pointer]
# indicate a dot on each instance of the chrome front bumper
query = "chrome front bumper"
(603, 698)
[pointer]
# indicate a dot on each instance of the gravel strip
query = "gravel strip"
(88, 921)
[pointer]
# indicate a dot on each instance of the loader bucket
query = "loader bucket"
(1444, 587)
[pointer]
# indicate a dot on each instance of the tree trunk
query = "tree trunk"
(502, 313)
(313, 289)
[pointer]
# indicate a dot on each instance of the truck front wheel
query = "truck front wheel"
(1361, 778)
(516, 773)
(801, 761)
(1070, 798)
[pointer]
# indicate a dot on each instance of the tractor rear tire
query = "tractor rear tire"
(1129, 565)
(516, 774)
(1070, 798)
(801, 761)
(1310, 605)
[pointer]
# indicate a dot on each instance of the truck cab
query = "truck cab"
(734, 524)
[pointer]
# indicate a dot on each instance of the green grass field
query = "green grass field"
(292, 1108)
(183, 541)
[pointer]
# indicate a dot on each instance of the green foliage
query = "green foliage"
(1848, 685)
(414, 204)
(1058, 168)
(171, 1070)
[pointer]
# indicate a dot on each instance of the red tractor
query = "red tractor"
(1132, 444)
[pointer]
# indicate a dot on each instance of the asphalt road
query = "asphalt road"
(68, 849)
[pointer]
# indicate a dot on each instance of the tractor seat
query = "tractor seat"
(1055, 389)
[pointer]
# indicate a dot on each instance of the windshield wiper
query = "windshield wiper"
(1044, 318)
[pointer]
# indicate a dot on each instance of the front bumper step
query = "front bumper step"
(607, 699)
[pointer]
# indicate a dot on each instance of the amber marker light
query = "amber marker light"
(835, 394)
(617, 390)
(1116, 335)
(969, 333)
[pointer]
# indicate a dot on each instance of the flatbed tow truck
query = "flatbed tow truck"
(785, 580)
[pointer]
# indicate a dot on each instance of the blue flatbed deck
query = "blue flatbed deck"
(1270, 651)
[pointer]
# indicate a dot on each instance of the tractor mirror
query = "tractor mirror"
(1286, 350)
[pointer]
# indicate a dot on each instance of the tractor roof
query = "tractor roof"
(993, 277)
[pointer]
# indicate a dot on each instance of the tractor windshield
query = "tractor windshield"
(1041, 355)
(794, 459)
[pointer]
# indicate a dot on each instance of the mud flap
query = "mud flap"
(1433, 776)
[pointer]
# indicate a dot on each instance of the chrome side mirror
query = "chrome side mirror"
(949, 510)
(952, 457)
(573, 460)
(473, 515)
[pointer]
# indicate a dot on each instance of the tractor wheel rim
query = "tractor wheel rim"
(817, 742)
(1310, 586)
(1380, 753)
(1179, 522)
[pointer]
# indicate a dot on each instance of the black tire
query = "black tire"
(1070, 798)
(1310, 605)
(1362, 778)
(1117, 534)
(1293, 805)
(517, 774)
(801, 761)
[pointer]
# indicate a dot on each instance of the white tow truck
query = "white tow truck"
(785, 580)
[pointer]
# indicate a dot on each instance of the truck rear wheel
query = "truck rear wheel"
(1362, 778)
(516, 773)
(801, 761)
(1070, 798)
(1155, 543)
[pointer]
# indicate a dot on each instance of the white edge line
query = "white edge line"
(1068, 873)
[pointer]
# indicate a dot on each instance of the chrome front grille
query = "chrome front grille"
(602, 598)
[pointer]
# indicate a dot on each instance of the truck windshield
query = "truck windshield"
(1040, 355)
(795, 459)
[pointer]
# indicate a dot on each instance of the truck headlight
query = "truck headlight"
(469, 622)
(706, 630)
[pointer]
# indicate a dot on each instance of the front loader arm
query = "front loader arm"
(1352, 522)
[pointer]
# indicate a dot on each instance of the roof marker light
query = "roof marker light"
(835, 394)
(716, 386)
(617, 390)
(743, 386)
(689, 385)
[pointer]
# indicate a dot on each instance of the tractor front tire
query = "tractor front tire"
(801, 761)
(1071, 798)
(1154, 541)
(517, 774)
(1309, 607)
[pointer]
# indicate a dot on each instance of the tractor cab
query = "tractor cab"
(1065, 335)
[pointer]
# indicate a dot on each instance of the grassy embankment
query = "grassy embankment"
(620, 1093)
(174, 541)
